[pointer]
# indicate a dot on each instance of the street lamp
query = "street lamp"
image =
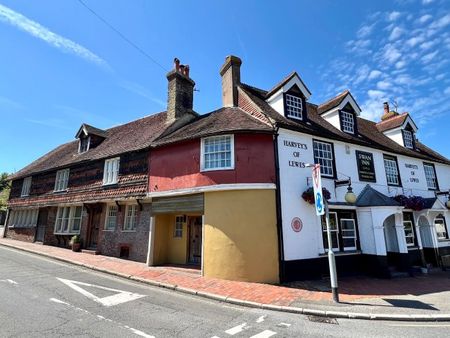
(331, 258)
(350, 196)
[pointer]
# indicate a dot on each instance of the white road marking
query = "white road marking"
(283, 325)
(261, 319)
(135, 331)
(215, 337)
(10, 281)
(237, 329)
(264, 334)
(119, 298)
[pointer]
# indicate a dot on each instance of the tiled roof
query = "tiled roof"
(392, 122)
(283, 82)
(224, 120)
(368, 133)
(95, 131)
(132, 136)
(334, 102)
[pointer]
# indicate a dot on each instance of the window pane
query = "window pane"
(217, 152)
(323, 154)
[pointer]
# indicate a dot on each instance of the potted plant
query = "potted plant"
(416, 203)
(308, 195)
(75, 243)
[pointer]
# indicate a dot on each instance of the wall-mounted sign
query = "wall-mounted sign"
(366, 167)
(297, 224)
(298, 146)
(412, 168)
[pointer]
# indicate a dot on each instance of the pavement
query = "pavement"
(422, 298)
(43, 297)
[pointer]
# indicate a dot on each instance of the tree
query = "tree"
(4, 190)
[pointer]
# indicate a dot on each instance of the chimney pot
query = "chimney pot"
(186, 70)
(386, 107)
(176, 64)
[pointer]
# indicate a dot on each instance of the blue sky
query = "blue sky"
(61, 66)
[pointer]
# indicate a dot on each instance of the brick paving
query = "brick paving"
(352, 290)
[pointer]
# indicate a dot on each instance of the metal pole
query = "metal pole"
(331, 259)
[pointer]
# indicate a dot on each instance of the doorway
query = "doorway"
(195, 240)
(95, 213)
(40, 226)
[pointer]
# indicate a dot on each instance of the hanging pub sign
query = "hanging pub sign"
(366, 167)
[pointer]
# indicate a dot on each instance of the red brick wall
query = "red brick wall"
(178, 166)
(21, 234)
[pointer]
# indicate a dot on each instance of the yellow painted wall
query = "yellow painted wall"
(241, 240)
(168, 249)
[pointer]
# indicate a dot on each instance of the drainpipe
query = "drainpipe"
(278, 206)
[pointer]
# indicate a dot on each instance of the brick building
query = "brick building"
(223, 190)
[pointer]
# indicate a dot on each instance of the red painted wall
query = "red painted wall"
(178, 166)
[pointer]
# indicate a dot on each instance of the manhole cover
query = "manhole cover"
(324, 320)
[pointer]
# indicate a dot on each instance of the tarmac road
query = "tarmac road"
(40, 297)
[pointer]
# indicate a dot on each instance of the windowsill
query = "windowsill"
(444, 240)
(19, 227)
(25, 195)
(109, 230)
(128, 230)
(59, 191)
(66, 233)
(342, 253)
(216, 169)
(294, 117)
(110, 184)
(413, 247)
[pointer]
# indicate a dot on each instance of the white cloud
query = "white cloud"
(393, 16)
(376, 94)
(364, 31)
(396, 33)
(374, 74)
(415, 40)
(429, 44)
(447, 91)
(391, 54)
(425, 18)
(400, 64)
(441, 23)
(384, 84)
(428, 57)
(426, 2)
(9, 104)
(33, 28)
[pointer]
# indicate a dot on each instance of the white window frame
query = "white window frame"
(62, 180)
(112, 213)
(412, 232)
(26, 186)
(130, 218)
(444, 225)
(348, 248)
(178, 226)
(23, 218)
(348, 122)
(430, 176)
(111, 171)
(336, 231)
(294, 106)
(319, 152)
(408, 139)
(203, 153)
(65, 219)
(391, 169)
(88, 140)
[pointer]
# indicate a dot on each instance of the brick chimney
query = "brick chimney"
(387, 114)
(231, 78)
(180, 93)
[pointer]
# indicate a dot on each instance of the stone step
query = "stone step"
(90, 251)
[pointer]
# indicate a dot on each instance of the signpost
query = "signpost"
(321, 209)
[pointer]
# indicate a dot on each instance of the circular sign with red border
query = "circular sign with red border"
(297, 224)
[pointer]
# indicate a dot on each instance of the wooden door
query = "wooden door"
(195, 240)
(41, 224)
(94, 226)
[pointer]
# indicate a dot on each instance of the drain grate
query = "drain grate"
(324, 320)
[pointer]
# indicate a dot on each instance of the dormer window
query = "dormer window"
(84, 144)
(408, 140)
(294, 107)
(348, 122)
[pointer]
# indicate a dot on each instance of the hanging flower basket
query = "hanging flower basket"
(308, 195)
(416, 203)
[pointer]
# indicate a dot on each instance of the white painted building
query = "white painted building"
(376, 234)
